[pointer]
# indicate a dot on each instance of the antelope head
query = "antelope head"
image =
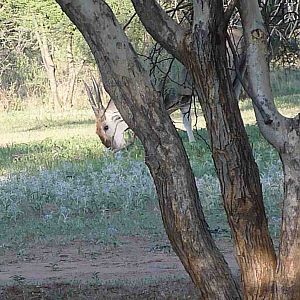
(110, 126)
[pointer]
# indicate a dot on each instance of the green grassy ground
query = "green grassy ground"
(57, 183)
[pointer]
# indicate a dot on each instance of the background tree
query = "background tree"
(24, 78)
(35, 62)
(15, 62)
(42, 53)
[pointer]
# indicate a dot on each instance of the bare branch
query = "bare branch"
(129, 21)
(267, 119)
(258, 70)
(174, 10)
(160, 26)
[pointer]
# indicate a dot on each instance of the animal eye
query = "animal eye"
(105, 127)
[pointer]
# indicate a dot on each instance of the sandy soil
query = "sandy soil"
(136, 266)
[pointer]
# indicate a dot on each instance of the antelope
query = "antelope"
(110, 126)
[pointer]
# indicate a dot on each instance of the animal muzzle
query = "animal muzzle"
(106, 142)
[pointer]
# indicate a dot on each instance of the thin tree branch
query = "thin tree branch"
(257, 67)
(267, 119)
(129, 21)
(229, 11)
(177, 8)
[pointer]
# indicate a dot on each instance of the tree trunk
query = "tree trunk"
(284, 134)
(288, 270)
(72, 74)
(183, 217)
(130, 88)
(49, 67)
(236, 168)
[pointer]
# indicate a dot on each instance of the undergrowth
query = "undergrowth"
(57, 190)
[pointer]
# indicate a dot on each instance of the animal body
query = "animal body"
(110, 126)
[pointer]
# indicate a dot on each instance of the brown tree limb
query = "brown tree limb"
(205, 57)
(169, 34)
(284, 134)
(258, 69)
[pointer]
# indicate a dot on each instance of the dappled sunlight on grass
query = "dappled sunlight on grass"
(8, 139)
(30, 126)
(57, 182)
(73, 188)
(288, 106)
(49, 153)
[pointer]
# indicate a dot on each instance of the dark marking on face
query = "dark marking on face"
(101, 132)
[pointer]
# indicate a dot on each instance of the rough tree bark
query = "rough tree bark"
(284, 134)
(204, 54)
(130, 87)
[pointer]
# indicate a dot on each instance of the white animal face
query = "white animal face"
(110, 127)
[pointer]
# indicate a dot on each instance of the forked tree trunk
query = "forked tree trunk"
(235, 165)
(284, 134)
(239, 178)
(204, 54)
(130, 87)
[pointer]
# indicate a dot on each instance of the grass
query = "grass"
(57, 183)
(93, 199)
(23, 127)
(285, 82)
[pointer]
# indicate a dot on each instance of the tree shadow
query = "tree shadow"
(58, 124)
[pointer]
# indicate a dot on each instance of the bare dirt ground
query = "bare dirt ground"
(138, 268)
